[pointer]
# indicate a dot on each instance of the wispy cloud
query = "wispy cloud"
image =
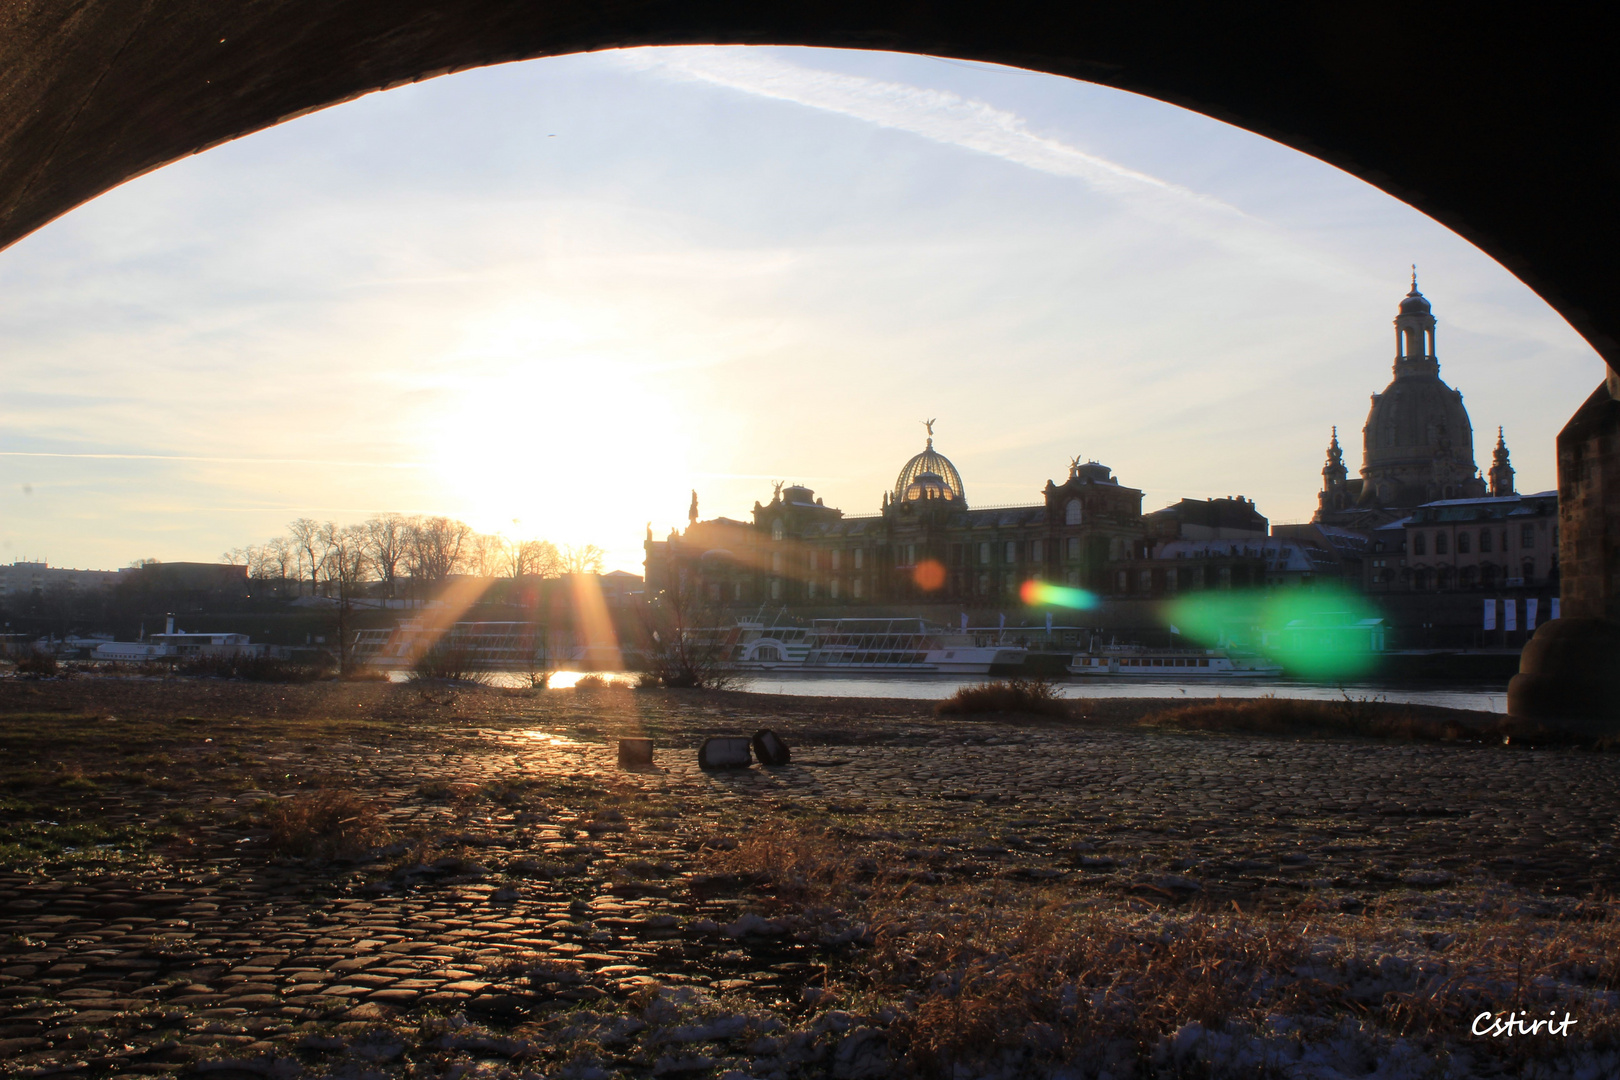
(938, 115)
(953, 120)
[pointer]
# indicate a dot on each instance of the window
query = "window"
(860, 558)
(1484, 541)
(1121, 581)
(1035, 551)
(776, 562)
(1010, 556)
(1419, 544)
(1071, 513)
(1440, 547)
(810, 590)
(1529, 570)
(984, 554)
(1145, 581)
(1463, 545)
(837, 559)
(984, 584)
(832, 588)
(736, 591)
(911, 554)
(714, 591)
(1074, 547)
(813, 560)
(1170, 580)
(1527, 537)
(855, 586)
(776, 588)
(776, 529)
(1074, 577)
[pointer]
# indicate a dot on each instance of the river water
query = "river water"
(1480, 697)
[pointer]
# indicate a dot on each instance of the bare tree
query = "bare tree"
(686, 643)
(309, 546)
(345, 568)
(530, 558)
(279, 556)
(436, 545)
(484, 555)
(387, 546)
(583, 559)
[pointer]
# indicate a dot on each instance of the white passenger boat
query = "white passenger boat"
(908, 645)
(867, 645)
(1171, 664)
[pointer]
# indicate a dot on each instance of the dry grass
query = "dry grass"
(327, 824)
(989, 973)
(1034, 696)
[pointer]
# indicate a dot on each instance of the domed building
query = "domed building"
(930, 476)
(924, 544)
(1417, 444)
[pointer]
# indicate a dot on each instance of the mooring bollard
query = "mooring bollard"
(725, 752)
(635, 751)
(770, 749)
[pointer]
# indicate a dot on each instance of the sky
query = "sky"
(553, 298)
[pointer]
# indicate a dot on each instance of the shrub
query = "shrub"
(252, 669)
(329, 824)
(448, 663)
(1036, 696)
(39, 664)
(1287, 716)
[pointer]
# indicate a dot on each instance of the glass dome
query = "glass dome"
(929, 475)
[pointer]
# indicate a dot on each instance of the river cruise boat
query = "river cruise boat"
(908, 645)
(1171, 664)
(486, 646)
(901, 646)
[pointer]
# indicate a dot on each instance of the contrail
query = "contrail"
(937, 115)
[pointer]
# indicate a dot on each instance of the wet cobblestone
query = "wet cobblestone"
(535, 877)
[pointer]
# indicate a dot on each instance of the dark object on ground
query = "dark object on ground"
(1012, 696)
(726, 752)
(1569, 676)
(635, 751)
(770, 749)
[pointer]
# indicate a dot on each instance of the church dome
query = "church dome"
(929, 475)
(1415, 303)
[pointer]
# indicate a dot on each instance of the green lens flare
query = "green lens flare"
(1320, 633)
(1042, 592)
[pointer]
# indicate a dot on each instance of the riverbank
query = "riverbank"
(333, 877)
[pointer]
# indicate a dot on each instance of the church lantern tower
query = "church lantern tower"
(1501, 471)
(1333, 494)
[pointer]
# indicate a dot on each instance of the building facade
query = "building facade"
(1494, 542)
(925, 543)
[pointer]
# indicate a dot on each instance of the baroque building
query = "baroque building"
(1417, 444)
(925, 543)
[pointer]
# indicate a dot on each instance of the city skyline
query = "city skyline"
(746, 265)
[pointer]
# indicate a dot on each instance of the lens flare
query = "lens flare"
(929, 575)
(1321, 633)
(1045, 593)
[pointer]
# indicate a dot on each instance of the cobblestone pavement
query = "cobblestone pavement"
(541, 879)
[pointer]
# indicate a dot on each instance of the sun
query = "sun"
(538, 432)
